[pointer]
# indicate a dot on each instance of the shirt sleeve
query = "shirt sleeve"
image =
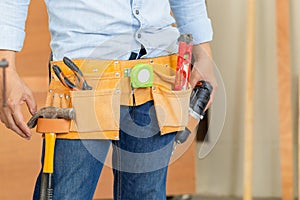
(13, 14)
(191, 17)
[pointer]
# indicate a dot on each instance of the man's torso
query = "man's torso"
(110, 29)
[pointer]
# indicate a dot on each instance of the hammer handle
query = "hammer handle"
(49, 152)
(46, 192)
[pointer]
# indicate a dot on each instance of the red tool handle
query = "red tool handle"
(184, 61)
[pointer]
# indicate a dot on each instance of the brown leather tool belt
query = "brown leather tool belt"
(98, 110)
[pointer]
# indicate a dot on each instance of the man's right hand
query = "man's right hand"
(17, 93)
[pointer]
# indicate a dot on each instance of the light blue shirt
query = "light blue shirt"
(109, 29)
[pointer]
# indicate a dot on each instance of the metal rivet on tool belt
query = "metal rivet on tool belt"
(127, 72)
(50, 91)
(67, 96)
(151, 61)
(117, 74)
(95, 70)
(153, 88)
(116, 62)
(61, 95)
(166, 65)
(116, 137)
(118, 91)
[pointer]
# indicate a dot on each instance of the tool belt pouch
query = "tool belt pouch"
(171, 106)
(96, 111)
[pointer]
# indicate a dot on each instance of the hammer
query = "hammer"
(3, 65)
(46, 191)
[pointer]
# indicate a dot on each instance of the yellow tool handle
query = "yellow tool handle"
(49, 152)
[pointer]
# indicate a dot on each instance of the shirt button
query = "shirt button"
(137, 12)
(139, 35)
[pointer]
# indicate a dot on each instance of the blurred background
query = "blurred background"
(220, 174)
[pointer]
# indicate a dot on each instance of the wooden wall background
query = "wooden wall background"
(20, 159)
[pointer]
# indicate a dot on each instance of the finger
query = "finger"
(3, 117)
(193, 82)
(19, 121)
(195, 77)
(30, 102)
(208, 105)
(10, 124)
(211, 99)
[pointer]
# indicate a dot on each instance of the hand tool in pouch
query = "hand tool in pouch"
(46, 190)
(184, 60)
(79, 84)
(198, 102)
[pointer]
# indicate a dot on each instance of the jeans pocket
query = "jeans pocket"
(96, 111)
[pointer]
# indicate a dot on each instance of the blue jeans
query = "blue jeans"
(139, 160)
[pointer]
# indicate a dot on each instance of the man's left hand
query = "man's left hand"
(203, 68)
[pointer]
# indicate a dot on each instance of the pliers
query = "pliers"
(80, 82)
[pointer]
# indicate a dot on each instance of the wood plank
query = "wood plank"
(298, 137)
(249, 101)
(284, 96)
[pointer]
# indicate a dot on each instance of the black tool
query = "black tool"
(198, 102)
(3, 65)
(80, 82)
(200, 97)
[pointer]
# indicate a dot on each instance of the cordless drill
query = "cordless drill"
(199, 98)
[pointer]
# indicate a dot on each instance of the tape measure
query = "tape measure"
(141, 76)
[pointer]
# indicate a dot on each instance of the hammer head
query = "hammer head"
(3, 63)
(51, 113)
